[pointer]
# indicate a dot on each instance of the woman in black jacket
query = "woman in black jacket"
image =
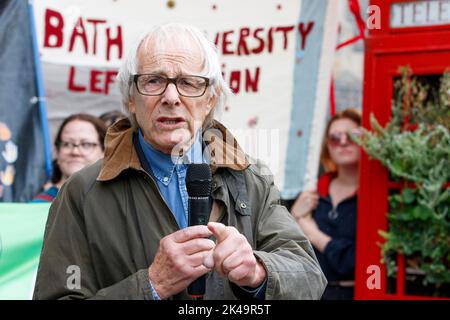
(328, 215)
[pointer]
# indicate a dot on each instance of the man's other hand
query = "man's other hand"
(233, 257)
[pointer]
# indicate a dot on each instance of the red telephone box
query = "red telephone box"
(414, 33)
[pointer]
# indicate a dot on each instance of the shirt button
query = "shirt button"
(166, 179)
(243, 205)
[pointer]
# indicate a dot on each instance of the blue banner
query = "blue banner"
(22, 140)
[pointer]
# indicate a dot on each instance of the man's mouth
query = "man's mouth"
(171, 122)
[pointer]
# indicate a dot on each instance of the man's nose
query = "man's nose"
(171, 97)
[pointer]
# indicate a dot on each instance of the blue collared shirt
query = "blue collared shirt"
(170, 175)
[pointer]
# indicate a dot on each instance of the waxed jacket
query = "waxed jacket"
(106, 222)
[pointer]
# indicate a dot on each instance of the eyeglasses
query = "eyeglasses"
(84, 147)
(155, 85)
(342, 138)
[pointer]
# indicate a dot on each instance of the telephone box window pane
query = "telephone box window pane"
(425, 113)
(400, 224)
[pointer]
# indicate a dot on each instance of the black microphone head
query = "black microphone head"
(198, 180)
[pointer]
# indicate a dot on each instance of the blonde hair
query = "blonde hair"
(325, 158)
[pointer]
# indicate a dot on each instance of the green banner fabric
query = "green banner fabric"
(21, 235)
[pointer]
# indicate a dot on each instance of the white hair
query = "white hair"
(184, 36)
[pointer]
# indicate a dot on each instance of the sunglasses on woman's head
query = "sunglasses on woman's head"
(342, 138)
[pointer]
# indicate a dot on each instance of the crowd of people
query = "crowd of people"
(124, 212)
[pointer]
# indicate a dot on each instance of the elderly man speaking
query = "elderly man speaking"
(118, 229)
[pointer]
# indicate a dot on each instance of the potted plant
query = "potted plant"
(415, 148)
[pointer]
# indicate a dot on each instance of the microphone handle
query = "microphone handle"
(199, 210)
(197, 288)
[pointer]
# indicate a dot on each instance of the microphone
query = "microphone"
(198, 185)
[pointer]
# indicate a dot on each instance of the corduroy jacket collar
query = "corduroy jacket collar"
(120, 153)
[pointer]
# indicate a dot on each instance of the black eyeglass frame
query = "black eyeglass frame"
(88, 146)
(135, 78)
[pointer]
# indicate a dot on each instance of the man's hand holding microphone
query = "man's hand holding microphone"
(185, 256)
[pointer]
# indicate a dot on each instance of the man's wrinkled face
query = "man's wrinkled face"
(169, 119)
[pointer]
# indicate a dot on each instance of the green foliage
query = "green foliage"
(417, 151)
(416, 231)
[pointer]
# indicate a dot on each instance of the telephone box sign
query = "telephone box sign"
(420, 13)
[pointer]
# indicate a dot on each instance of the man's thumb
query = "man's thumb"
(208, 260)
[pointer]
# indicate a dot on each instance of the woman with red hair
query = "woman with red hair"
(328, 216)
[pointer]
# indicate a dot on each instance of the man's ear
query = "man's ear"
(131, 104)
(211, 103)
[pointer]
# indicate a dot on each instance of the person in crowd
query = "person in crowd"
(124, 221)
(328, 215)
(79, 142)
(110, 117)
